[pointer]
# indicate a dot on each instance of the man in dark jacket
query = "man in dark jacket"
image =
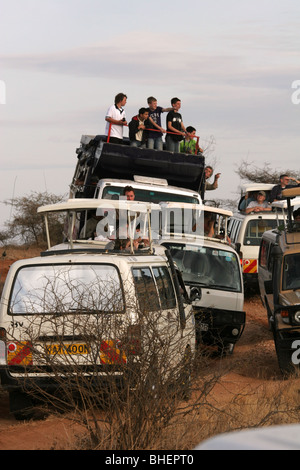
(276, 193)
(137, 129)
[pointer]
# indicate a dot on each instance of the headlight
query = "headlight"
(297, 316)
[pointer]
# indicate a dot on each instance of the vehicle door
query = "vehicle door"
(156, 295)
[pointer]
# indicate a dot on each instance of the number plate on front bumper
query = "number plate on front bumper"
(71, 348)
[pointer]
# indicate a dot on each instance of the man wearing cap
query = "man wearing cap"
(259, 205)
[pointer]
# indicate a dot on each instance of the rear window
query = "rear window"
(255, 229)
(59, 289)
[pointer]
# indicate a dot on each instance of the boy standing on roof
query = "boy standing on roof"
(175, 126)
(155, 138)
(188, 144)
(137, 129)
(116, 117)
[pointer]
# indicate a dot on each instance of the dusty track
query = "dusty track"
(253, 363)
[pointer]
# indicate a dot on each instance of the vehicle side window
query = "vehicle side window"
(234, 230)
(165, 287)
(145, 289)
(231, 226)
(264, 249)
(270, 258)
(237, 229)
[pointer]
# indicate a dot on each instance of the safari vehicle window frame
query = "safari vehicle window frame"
(94, 312)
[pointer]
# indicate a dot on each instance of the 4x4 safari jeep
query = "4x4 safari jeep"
(83, 313)
(279, 280)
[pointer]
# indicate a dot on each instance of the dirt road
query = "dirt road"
(253, 361)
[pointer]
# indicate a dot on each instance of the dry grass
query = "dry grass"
(224, 410)
(15, 252)
(11, 253)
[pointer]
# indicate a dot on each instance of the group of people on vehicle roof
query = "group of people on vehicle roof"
(145, 129)
(258, 201)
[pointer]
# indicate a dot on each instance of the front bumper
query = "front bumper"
(218, 326)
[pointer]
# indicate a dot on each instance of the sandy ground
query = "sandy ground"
(253, 362)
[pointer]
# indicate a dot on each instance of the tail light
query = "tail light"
(19, 353)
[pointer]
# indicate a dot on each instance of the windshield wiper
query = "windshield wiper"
(221, 286)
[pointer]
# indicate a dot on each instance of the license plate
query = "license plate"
(203, 327)
(67, 348)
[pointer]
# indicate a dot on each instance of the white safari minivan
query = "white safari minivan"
(211, 271)
(82, 313)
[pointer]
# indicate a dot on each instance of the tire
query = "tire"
(283, 356)
(186, 374)
(269, 314)
(226, 349)
(21, 406)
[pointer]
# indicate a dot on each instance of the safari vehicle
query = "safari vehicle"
(82, 314)
(103, 170)
(211, 271)
(279, 280)
(245, 232)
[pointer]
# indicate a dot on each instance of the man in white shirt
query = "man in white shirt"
(116, 119)
(259, 205)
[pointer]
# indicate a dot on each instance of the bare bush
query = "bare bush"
(267, 174)
(123, 374)
(26, 225)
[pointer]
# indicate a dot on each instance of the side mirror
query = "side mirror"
(195, 294)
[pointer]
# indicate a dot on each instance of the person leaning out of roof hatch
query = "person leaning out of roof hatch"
(259, 205)
(207, 174)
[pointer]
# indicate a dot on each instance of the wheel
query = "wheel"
(226, 349)
(20, 405)
(269, 313)
(284, 356)
(186, 374)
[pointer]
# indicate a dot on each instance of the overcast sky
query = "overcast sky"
(231, 62)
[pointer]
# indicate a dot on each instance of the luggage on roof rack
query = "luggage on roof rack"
(98, 159)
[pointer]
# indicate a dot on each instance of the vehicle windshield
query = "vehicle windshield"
(291, 272)
(255, 229)
(211, 267)
(59, 289)
(146, 195)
